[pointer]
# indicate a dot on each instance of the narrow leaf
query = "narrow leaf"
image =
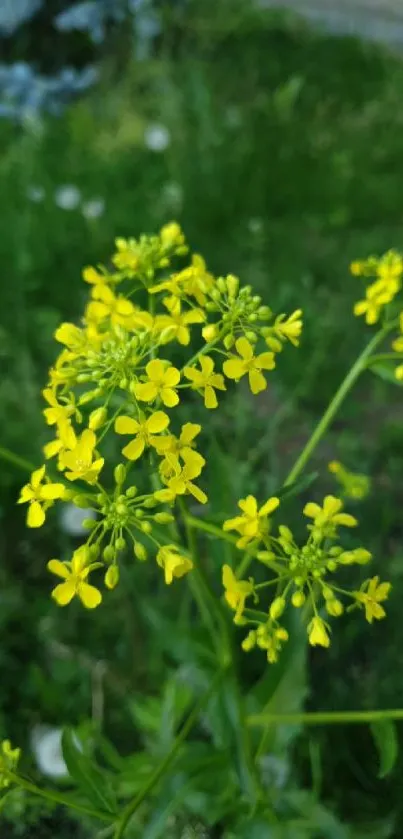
(386, 371)
(87, 775)
(385, 739)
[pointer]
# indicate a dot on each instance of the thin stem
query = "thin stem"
(387, 356)
(346, 385)
(219, 533)
(57, 798)
(16, 460)
(324, 717)
(169, 758)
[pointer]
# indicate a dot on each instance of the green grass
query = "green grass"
(285, 163)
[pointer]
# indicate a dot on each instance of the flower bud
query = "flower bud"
(298, 599)
(140, 551)
(89, 524)
(163, 518)
(210, 332)
(146, 527)
(334, 607)
(131, 492)
(80, 501)
(229, 341)
(119, 473)
(120, 543)
(97, 418)
(277, 608)
(232, 285)
(112, 576)
(150, 502)
(109, 553)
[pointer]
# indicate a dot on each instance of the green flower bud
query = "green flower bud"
(109, 553)
(229, 341)
(146, 527)
(163, 518)
(221, 285)
(331, 565)
(277, 608)
(97, 418)
(112, 576)
(150, 502)
(140, 551)
(298, 599)
(89, 524)
(80, 501)
(251, 336)
(120, 543)
(334, 607)
(232, 285)
(119, 473)
(131, 492)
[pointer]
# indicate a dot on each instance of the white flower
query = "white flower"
(157, 137)
(72, 517)
(67, 197)
(93, 208)
(47, 748)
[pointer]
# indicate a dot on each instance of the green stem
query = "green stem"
(346, 385)
(168, 760)
(324, 717)
(219, 533)
(57, 798)
(16, 460)
(387, 356)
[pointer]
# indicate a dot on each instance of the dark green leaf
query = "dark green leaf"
(87, 775)
(385, 738)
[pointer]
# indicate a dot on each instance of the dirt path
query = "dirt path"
(375, 20)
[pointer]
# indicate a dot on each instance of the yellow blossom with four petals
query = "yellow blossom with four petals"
(206, 380)
(75, 574)
(144, 431)
(247, 363)
(39, 496)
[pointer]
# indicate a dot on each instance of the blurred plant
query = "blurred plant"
(112, 378)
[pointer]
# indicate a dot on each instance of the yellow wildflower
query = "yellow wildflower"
(206, 380)
(178, 446)
(72, 337)
(285, 329)
(175, 326)
(59, 415)
(330, 516)
(372, 598)
(236, 591)
(173, 563)
(378, 295)
(9, 758)
(127, 255)
(144, 431)
(317, 634)
(80, 459)
(93, 277)
(75, 574)
(172, 238)
(236, 367)
(39, 496)
(162, 380)
(105, 304)
(253, 523)
(180, 480)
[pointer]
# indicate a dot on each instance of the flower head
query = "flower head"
(144, 431)
(179, 478)
(253, 523)
(354, 485)
(247, 363)
(326, 519)
(372, 594)
(80, 460)
(206, 380)
(75, 574)
(39, 493)
(173, 563)
(161, 382)
(236, 591)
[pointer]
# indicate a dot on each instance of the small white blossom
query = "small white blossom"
(157, 137)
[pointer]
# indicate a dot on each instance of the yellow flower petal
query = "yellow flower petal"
(157, 422)
(171, 377)
(89, 595)
(35, 515)
(234, 368)
(244, 348)
(155, 369)
(49, 492)
(126, 425)
(266, 361)
(134, 449)
(169, 397)
(146, 391)
(37, 477)
(269, 506)
(257, 381)
(64, 593)
(58, 568)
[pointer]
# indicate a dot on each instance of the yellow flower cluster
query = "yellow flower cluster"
(117, 376)
(300, 575)
(9, 758)
(388, 273)
(382, 298)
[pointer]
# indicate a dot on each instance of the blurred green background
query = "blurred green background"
(280, 151)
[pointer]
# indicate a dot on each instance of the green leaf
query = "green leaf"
(385, 739)
(87, 775)
(297, 487)
(386, 371)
